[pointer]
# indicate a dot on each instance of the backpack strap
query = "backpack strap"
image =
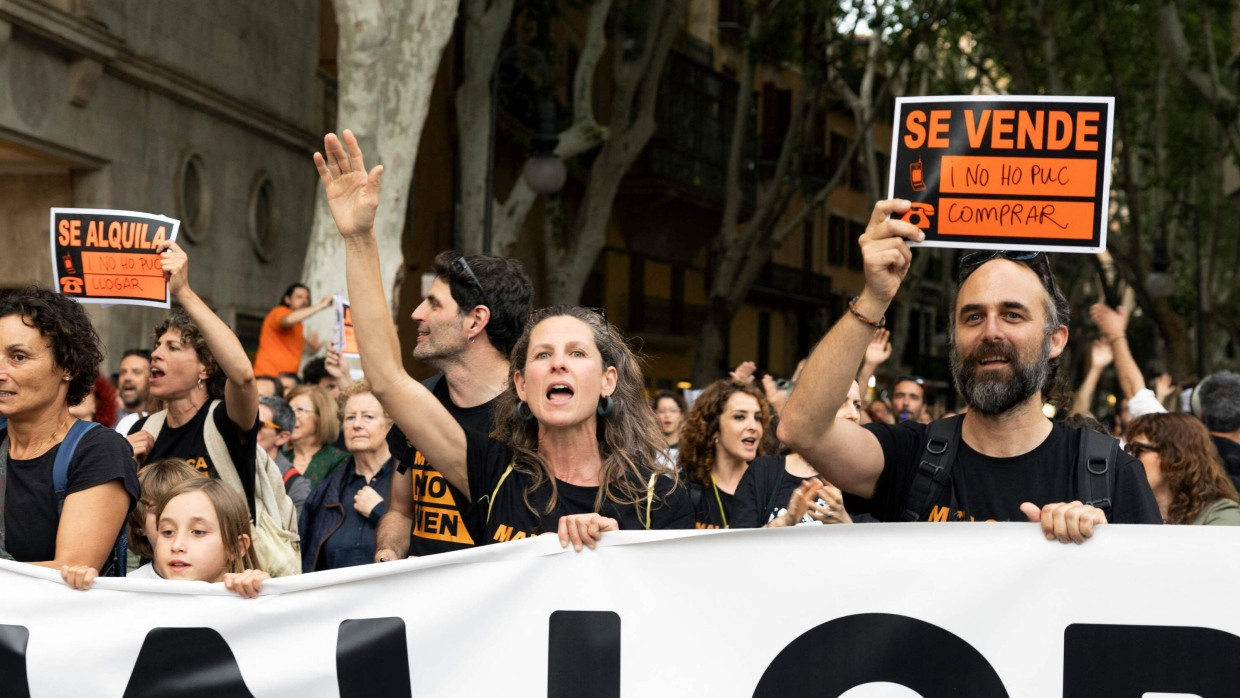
(115, 564)
(494, 492)
(218, 450)
(289, 475)
(654, 477)
(60, 467)
(1095, 469)
(4, 477)
(934, 470)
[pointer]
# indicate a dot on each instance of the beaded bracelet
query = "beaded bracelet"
(852, 308)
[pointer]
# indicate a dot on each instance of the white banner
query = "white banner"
(867, 610)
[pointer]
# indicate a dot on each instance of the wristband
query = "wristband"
(852, 308)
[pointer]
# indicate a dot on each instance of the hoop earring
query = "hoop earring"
(606, 406)
(523, 411)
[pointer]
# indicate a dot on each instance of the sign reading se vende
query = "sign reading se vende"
(1005, 172)
(106, 256)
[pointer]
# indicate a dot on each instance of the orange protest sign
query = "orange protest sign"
(346, 340)
(107, 256)
(1005, 172)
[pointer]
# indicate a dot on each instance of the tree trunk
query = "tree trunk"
(388, 61)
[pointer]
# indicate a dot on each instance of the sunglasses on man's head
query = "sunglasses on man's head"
(460, 261)
(968, 263)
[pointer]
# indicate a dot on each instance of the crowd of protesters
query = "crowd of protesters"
(540, 422)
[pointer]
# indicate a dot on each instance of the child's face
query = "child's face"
(189, 544)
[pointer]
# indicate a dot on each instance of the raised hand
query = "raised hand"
(880, 348)
(885, 250)
(744, 372)
(1100, 354)
(352, 193)
(1113, 323)
(175, 264)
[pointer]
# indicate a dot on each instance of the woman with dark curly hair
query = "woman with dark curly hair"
(49, 359)
(1184, 470)
(197, 364)
(722, 434)
(575, 443)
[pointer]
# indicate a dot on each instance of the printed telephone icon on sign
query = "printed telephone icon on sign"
(919, 214)
(68, 260)
(915, 176)
(70, 284)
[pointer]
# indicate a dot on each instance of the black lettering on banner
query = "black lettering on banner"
(186, 663)
(583, 654)
(871, 647)
(1127, 661)
(13, 641)
(372, 658)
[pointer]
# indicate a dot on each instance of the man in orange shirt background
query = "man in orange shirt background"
(281, 343)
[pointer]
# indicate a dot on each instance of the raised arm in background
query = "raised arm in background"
(353, 197)
(240, 389)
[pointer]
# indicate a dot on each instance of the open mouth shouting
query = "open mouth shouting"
(559, 394)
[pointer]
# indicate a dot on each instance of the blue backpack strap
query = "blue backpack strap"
(60, 468)
(115, 566)
(934, 471)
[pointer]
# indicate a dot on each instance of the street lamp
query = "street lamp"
(544, 172)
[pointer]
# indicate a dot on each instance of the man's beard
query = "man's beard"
(996, 392)
(135, 402)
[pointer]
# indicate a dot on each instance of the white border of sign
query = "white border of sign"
(174, 223)
(1104, 213)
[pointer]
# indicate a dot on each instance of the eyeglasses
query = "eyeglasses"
(269, 425)
(474, 277)
(305, 410)
(1136, 448)
(970, 262)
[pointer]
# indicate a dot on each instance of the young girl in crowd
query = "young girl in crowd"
(202, 534)
(154, 479)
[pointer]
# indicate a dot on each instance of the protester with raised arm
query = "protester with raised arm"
(1003, 459)
(198, 361)
(1114, 327)
(577, 442)
(1100, 356)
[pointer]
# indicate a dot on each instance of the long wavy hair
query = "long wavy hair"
(628, 439)
(1190, 463)
(697, 440)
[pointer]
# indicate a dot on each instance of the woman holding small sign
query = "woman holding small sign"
(68, 487)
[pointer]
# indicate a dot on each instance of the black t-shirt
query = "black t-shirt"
(31, 508)
(440, 523)
(187, 442)
(992, 489)
(1229, 451)
(510, 519)
(763, 493)
(712, 507)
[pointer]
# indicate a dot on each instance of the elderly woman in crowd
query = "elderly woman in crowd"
(723, 433)
(201, 372)
(1184, 470)
(575, 443)
(318, 424)
(341, 515)
(49, 360)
